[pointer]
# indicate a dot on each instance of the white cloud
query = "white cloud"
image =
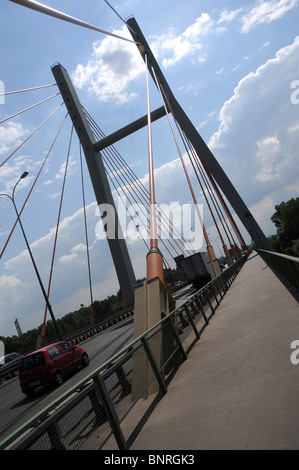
(265, 12)
(10, 136)
(113, 65)
(201, 27)
(9, 286)
(227, 16)
(70, 285)
(68, 258)
(257, 143)
(269, 155)
(266, 44)
(11, 171)
(180, 46)
(110, 69)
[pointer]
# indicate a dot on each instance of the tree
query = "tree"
(286, 220)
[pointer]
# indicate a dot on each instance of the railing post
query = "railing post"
(202, 310)
(214, 290)
(209, 302)
(176, 336)
(193, 325)
(223, 284)
(113, 418)
(154, 365)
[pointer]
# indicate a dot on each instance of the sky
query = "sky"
(233, 67)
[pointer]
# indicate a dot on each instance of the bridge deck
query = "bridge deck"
(238, 389)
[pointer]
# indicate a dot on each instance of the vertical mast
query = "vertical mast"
(117, 245)
(199, 145)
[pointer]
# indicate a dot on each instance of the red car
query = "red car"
(49, 365)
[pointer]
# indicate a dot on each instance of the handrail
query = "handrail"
(78, 336)
(287, 266)
(108, 391)
(280, 255)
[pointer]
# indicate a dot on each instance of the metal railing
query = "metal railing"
(93, 411)
(75, 337)
(287, 266)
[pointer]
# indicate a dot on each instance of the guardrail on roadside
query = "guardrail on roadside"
(94, 410)
(287, 266)
(86, 333)
(10, 371)
(76, 337)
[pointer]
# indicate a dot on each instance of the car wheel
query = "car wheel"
(85, 360)
(29, 393)
(58, 378)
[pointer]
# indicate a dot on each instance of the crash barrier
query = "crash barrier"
(75, 338)
(287, 266)
(9, 371)
(86, 333)
(94, 410)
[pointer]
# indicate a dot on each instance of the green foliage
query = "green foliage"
(286, 220)
(68, 324)
(173, 275)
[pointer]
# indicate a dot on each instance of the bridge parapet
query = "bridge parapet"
(287, 266)
(91, 412)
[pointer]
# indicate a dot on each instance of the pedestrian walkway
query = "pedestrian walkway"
(238, 389)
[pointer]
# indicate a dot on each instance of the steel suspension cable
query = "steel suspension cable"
(168, 106)
(29, 194)
(86, 236)
(195, 164)
(119, 16)
(233, 244)
(56, 234)
(26, 89)
(35, 130)
(145, 214)
(111, 166)
(134, 182)
(114, 169)
(34, 5)
(204, 192)
(226, 209)
(130, 185)
(29, 107)
(216, 203)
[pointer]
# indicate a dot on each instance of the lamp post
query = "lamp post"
(12, 198)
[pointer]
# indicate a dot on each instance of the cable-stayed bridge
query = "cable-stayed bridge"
(108, 170)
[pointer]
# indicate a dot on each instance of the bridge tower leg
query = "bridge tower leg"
(199, 145)
(117, 244)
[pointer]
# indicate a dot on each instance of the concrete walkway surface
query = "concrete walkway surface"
(238, 388)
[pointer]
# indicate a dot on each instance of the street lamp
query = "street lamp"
(12, 198)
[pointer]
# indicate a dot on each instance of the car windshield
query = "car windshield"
(32, 361)
(8, 358)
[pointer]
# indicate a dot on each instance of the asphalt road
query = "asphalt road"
(16, 408)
